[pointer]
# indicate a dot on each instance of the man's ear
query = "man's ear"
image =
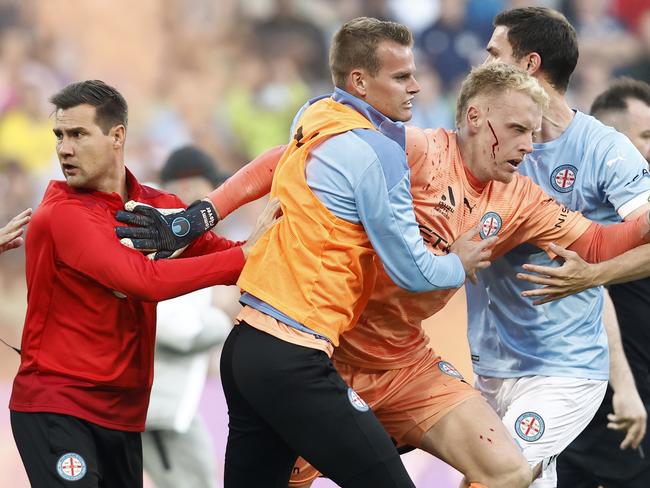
(356, 83)
(533, 63)
(473, 118)
(118, 134)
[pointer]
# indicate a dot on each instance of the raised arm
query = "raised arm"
(167, 232)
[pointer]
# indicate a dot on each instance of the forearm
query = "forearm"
(629, 266)
(251, 182)
(154, 281)
(600, 243)
(620, 374)
(394, 233)
(118, 268)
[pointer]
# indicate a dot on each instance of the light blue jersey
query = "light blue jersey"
(590, 168)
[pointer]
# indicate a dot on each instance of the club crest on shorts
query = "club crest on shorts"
(490, 225)
(563, 178)
(356, 401)
(71, 466)
(449, 369)
(529, 426)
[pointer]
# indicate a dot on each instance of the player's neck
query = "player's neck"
(470, 156)
(114, 182)
(556, 118)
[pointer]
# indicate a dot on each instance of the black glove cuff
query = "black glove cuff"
(202, 215)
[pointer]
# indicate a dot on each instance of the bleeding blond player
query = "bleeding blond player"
(464, 186)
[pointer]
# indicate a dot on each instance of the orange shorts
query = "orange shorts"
(407, 401)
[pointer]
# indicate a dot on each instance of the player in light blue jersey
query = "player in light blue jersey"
(545, 368)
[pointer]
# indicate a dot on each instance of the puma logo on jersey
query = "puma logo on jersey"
(467, 204)
(613, 160)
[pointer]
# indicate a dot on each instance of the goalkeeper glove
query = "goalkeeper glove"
(164, 232)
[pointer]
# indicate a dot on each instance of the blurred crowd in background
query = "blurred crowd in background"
(228, 76)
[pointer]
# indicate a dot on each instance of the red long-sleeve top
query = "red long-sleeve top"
(88, 339)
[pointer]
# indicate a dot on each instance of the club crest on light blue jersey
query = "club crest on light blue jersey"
(564, 177)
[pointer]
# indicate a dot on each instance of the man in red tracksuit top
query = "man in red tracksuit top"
(80, 397)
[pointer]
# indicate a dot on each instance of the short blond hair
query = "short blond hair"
(494, 79)
(355, 45)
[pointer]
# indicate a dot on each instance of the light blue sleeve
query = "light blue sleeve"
(389, 220)
(295, 121)
(623, 173)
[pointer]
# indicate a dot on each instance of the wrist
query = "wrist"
(599, 272)
(203, 214)
(620, 376)
(214, 208)
(622, 385)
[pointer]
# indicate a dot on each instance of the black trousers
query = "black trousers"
(285, 400)
(64, 451)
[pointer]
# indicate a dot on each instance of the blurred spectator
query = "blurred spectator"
(25, 130)
(480, 14)
(261, 106)
(450, 45)
(287, 34)
(588, 81)
(177, 449)
(432, 108)
(640, 67)
(630, 11)
(603, 38)
(17, 188)
(415, 13)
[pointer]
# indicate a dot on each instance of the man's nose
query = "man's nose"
(64, 148)
(414, 86)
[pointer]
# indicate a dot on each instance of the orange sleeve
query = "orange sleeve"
(603, 242)
(251, 182)
(416, 145)
(546, 221)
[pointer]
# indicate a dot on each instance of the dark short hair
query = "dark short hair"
(546, 32)
(110, 107)
(616, 96)
(188, 162)
(355, 45)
